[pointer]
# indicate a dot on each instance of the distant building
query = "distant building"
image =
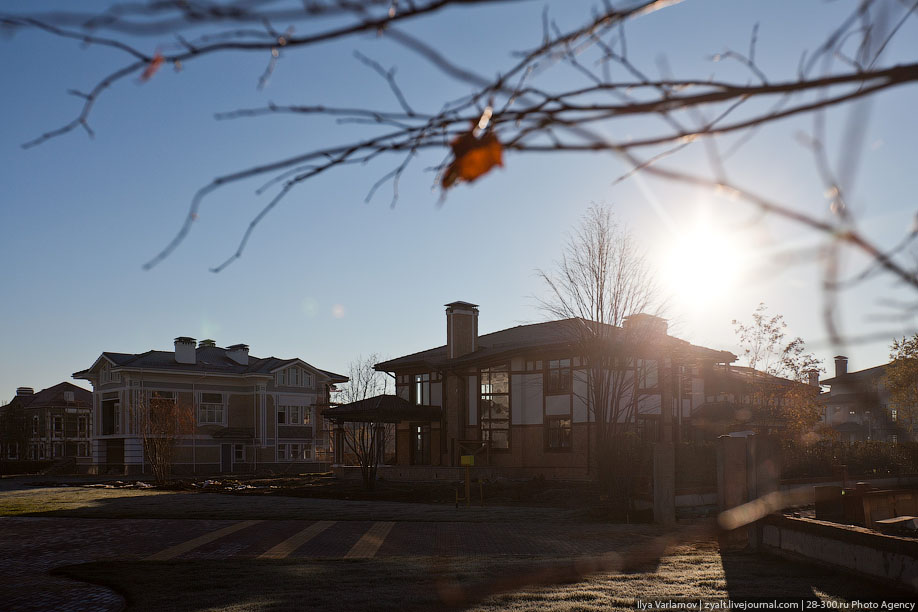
(858, 407)
(247, 413)
(518, 398)
(55, 423)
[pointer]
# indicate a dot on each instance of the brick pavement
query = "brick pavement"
(30, 547)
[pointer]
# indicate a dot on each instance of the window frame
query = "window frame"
(204, 406)
(549, 419)
(486, 432)
(420, 389)
(563, 382)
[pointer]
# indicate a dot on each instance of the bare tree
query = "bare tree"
(775, 405)
(601, 279)
(517, 112)
(161, 422)
(367, 440)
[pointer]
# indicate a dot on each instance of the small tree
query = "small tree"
(161, 421)
(366, 440)
(602, 278)
(793, 408)
(902, 381)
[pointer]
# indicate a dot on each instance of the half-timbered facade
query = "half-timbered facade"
(519, 398)
(239, 413)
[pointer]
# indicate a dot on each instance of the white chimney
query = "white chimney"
(239, 353)
(184, 350)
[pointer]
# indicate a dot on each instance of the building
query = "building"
(518, 398)
(54, 424)
(236, 412)
(740, 398)
(858, 407)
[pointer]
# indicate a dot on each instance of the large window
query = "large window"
(57, 426)
(559, 432)
(495, 407)
(422, 389)
(648, 375)
(211, 409)
(82, 427)
(294, 415)
(559, 376)
(420, 444)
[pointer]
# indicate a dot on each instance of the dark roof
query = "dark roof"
(54, 396)
(382, 409)
(550, 334)
(747, 374)
(207, 359)
(858, 376)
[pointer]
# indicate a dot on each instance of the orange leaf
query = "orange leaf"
(153, 67)
(474, 157)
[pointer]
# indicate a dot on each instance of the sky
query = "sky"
(328, 277)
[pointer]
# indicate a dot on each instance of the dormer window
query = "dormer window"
(107, 376)
(293, 376)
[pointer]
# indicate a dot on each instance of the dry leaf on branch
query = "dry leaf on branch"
(473, 157)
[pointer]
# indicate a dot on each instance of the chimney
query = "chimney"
(841, 365)
(461, 329)
(21, 391)
(184, 350)
(812, 378)
(239, 353)
(646, 324)
(208, 343)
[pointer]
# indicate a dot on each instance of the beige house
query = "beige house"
(240, 413)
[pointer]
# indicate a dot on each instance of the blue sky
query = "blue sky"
(327, 277)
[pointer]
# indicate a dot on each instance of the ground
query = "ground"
(87, 548)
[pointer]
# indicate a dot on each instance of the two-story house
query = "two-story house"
(240, 412)
(858, 406)
(518, 398)
(54, 424)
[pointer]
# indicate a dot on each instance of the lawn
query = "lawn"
(696, 570)
(91, 502)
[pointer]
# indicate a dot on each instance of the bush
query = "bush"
(863, 459)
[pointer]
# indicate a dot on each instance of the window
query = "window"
(647, 373)
(422, 389)
(420, 444)
(107, 376)
(35, 425)
(894, 438)
(82, 449)
(494, 407)
(534, 366)
(293, 377)
(893, 415)
(82, 426)
(57, 450)
(559, 432)
(294, 452)
(33, 451)
(559, 376)
(294, 415)
(57, 425)
(210, 410)
(12, 450)
(239, 452)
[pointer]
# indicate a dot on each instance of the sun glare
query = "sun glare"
(702, 264)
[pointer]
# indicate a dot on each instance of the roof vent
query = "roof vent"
(25, 391)
(239, 353)
(184, 350)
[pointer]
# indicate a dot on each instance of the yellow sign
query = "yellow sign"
(467, 460)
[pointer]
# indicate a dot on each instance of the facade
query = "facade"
(236, 412)
(740, 398)
(858, 407)
(53, 424)
(518, 398)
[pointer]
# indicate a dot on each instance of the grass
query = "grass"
(693, 571)
(88, 502)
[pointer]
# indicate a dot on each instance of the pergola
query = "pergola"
(378, 411)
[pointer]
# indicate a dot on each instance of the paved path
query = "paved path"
(29, 547)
